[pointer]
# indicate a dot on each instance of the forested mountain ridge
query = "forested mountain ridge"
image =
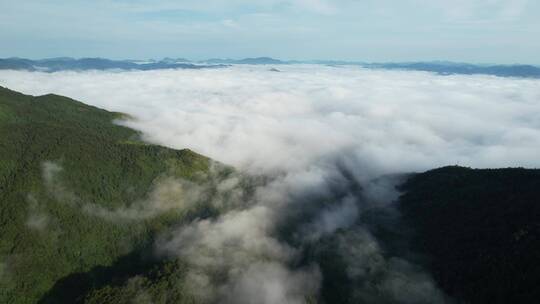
(78, 191)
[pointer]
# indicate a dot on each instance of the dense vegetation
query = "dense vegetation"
(481, 229)
(76, 194)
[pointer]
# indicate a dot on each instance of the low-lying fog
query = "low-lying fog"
(255, 118)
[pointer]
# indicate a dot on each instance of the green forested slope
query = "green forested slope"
(76, 194)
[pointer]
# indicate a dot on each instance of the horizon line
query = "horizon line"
(278, 60)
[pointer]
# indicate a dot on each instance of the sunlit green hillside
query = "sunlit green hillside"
(78, 192)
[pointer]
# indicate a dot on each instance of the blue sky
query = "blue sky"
(486, 31)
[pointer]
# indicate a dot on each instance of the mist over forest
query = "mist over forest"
(302, 197)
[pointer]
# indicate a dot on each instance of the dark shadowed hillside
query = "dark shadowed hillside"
(481, 229)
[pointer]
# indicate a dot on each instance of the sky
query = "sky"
(477, 31)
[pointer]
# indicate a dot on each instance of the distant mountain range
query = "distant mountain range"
(258, 60)
(450, 68)
(66, 64)
(439, 67)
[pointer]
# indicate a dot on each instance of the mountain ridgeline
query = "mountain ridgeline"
(438, 67)
(84, 64)
(83, 202)
(450, 68)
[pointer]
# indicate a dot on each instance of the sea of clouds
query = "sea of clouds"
(332, 139)
(257, 119)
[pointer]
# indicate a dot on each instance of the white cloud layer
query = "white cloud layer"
(253, 118)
